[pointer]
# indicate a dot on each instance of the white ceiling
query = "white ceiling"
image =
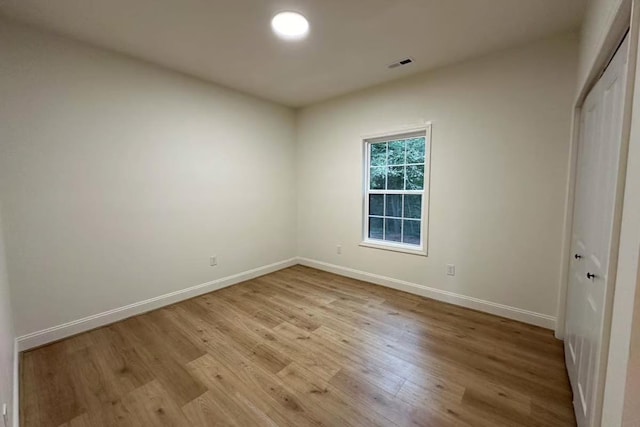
(350, 44)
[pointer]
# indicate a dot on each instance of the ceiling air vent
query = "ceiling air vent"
(401, 63)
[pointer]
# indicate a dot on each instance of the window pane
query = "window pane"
(375, 228)
(396, 152)
(415, 177)
(392, 230)
(396, 167)
(415, 150)
(376, 204)
(379, 154)
(411, 232)
(393, 205)
(412, 206)
(376, 178)
(395, 178)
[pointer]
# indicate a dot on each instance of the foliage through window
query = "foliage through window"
(396, 170)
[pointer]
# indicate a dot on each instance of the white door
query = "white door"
(592, 236)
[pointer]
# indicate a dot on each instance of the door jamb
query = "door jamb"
(627, 18)
(617, 29)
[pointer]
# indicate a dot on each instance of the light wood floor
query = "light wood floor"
(301, 347)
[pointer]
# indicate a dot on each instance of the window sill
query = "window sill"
(393, 248)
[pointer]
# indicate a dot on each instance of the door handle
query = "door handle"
(576, 256)
(590, 276)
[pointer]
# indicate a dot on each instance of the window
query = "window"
(396, 191)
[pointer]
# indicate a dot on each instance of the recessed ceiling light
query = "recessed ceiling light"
(290, 25)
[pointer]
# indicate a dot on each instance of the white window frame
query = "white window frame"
(424, 220)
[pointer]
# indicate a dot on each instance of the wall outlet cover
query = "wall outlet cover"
(451, 270)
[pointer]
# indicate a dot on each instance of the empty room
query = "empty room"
(319, 213)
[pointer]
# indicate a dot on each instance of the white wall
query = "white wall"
(619, 364)
(119, 179)
(631, 409)
(499, 164)
(7, 337)
(599, 17)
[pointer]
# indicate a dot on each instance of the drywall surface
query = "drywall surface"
(631, 410)
(599, 17)
(7, 338)
(500, 149)
(620, 362)
(120, 179)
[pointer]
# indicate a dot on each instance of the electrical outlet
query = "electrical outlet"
(451, 270)
(339, 249)
(213, 261)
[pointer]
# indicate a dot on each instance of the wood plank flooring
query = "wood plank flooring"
(301, 347)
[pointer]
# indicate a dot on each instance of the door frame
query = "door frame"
(626, 18)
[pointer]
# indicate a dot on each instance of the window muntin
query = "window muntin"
(396, 172)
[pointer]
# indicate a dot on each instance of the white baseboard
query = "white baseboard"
(65, 330)
(55, 333)
(502, 310)
(16, 385)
